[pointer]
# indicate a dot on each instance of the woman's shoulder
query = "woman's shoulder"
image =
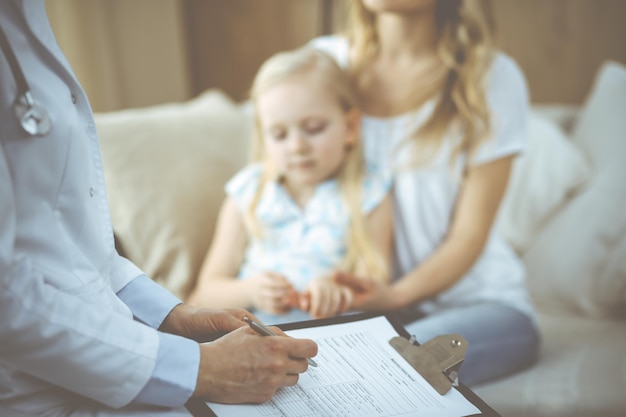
(508, 101)
(506, 88)
(336, 46)
(501, 61)
(505, 72)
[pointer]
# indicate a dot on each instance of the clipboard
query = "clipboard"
(199, 408)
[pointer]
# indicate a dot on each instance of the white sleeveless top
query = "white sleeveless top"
(424, 198)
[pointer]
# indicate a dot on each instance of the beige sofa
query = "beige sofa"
(564, 213)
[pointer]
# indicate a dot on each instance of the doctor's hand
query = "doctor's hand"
(243, 367)
(203, 324)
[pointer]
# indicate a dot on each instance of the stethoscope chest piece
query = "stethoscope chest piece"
(33, 118)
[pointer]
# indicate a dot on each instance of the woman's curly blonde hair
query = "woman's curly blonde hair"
(465, 48)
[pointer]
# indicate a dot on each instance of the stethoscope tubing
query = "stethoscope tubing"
(31, 116)
(22, 85)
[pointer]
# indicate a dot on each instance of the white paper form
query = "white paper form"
(359, 375)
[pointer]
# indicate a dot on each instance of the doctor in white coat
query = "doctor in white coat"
(82, 330)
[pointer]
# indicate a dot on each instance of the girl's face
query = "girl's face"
(305, 131)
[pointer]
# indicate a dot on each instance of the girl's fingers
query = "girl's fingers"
(278, 280)
(328, 300)
(334, 302)
(346, 300)
(305, 301)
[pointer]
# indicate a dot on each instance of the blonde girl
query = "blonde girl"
(307, 207)
(447, 113)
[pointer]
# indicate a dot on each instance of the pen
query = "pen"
(264, 331)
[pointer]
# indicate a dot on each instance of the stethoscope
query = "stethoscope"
(33, 118)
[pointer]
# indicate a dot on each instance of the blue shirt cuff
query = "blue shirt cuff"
(175, 374)
(149, 302)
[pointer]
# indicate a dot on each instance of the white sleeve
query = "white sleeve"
(507, 99)
(57, 337)
(335, 46)
(243, 186)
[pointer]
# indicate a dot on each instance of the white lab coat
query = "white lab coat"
(63, 330)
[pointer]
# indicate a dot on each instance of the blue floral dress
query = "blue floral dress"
(301, 243)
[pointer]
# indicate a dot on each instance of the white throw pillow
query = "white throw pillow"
(578, 263)
(550, 170)
(165, 168)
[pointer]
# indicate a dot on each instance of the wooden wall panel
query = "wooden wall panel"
(125, 53)
(228, 40)
(143, 52)
(560, 44)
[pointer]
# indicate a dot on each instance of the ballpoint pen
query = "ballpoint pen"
(264, 331)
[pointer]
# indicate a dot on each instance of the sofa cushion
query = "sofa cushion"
(165, 168)
(539, 187)
(578, 261)
(581, 372)
(601, 127)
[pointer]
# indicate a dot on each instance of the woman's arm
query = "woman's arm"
(217, 285)
(476, 209)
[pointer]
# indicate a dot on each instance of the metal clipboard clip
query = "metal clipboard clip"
(437, 360)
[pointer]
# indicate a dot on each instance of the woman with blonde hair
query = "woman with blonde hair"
(447, 113)
(308, 206)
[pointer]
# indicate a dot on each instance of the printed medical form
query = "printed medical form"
(359, 374)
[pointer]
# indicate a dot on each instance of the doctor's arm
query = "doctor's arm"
(64, 340)
(227, 372)
(224, 368)
(59, 338)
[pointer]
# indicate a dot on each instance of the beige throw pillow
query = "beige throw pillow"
(165, 168)
(578, 263)
(550, 170)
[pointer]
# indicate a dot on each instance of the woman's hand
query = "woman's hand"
(271, 292)
(368, 294)
(325, 298)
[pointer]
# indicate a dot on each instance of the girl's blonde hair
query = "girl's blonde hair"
(465, 48)
(311, 62)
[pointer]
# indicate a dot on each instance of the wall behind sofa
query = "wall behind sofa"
(142, 52)
(126, 53)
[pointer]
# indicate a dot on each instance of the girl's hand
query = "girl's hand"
(271, 292)
(325, 298)
(368, 294)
